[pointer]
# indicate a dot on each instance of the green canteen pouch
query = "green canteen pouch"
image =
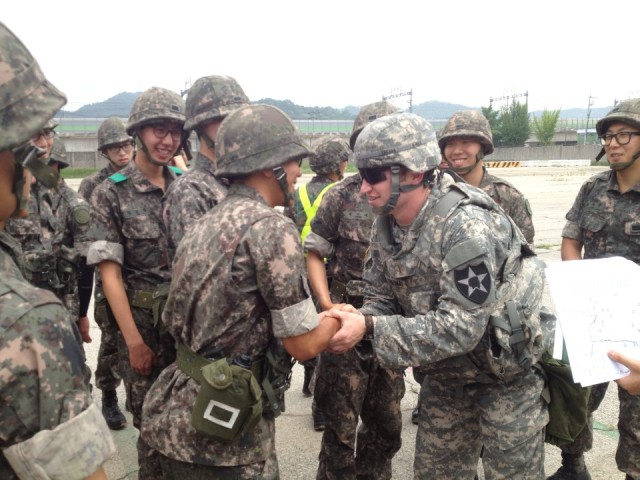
(228, 403)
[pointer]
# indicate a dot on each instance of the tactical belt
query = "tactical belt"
(153, 300)
(191, 364)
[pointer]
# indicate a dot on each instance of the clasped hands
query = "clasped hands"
(352, 327)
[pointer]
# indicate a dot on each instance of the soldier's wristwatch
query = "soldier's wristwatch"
(368, 327)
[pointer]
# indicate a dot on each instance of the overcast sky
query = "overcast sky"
(339, 53)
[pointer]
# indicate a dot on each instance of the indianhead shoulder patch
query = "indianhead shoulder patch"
(473, 282)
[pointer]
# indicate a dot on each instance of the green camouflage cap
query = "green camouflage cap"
(399, 139)
(59, 153)
(627, 111)
(111, 132)
(211, 98)
(27, 99)
(368, 113)
(155, 105)
(328, 154)
(256, 137)
(470, 124)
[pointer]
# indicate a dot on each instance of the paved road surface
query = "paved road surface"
(551, 192)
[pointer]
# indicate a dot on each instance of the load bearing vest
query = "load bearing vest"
(310, 209)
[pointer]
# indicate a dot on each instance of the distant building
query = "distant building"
(564, 137)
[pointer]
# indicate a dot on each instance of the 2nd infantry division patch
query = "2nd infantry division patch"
(473, 282)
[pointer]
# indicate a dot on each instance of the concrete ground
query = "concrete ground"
(551, 192)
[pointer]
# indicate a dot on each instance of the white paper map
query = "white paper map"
(598, 307)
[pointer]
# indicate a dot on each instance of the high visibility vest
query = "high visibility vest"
(309, 208)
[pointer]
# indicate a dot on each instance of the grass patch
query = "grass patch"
(77, 172)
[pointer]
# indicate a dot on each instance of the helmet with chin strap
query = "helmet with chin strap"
(395, 141)
(258, 137)
(212, 98)
(29, 102)
(467, 124)
(155, 105)
(58, 153)
(627, 112)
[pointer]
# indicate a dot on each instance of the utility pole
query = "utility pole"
(586, 129)
(404, 94)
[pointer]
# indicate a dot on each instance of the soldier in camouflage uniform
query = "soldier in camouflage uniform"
(351, 385)
(328, 162)
(605, 221)
(209, 101)
(434, 276)
(464, 141)
(238, 282)
(130, 248)
(41, 363)
(115, 144)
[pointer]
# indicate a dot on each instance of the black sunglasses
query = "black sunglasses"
(373, 175)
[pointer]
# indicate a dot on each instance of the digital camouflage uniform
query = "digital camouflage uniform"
(239, 280)
(512, 201)
(127, 228)
(432, 287)
(601, 219)
(42, 379)
(190, 197)
(44, 400)
(210, 99)
(106, 376)
(353, 384)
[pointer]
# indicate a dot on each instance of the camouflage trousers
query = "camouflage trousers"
(628, 452)
(177, 470)
(107, 377)
(138, 385)
(354, 385)
(508, 419)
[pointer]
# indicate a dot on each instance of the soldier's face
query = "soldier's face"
(461, 152)
(120, 154)
(620, 154)
(292, 169)
(44, 140)
(162, 140)
(376, 185)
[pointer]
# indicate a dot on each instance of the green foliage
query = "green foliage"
(514, 125)
(77, 172)
(493, 116)
(545, 126)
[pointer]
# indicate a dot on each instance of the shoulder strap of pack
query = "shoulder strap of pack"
(447, 201)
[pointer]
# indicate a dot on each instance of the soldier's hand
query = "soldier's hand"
(351, 331)
(631, 383)
(142, 358)
(83, 326)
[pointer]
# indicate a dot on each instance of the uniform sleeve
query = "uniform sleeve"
(572, 228)
(281, 276)
(43, 369)
(105, 231)
(520, 213)
(467, 296)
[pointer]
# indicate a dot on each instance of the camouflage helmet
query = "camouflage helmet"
(51, 124)
(59, 153)
(367, 114)
(111, 132)
(28, 99)
(399, 139)
(471, 124)
(211, 98)
(257, 137)
(328, 154)
(627, 111)
(153, 105)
